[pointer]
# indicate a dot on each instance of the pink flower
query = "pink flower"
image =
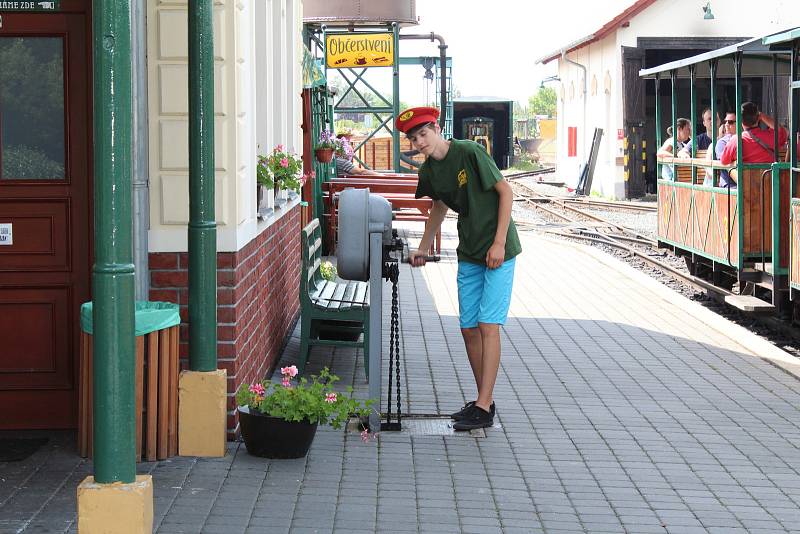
(279, 148)
(284, 162)
(291, 371)
(286, 382)
(330, 397)
(365, 435)
(258, 389)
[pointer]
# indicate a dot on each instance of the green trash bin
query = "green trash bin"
(157, 337)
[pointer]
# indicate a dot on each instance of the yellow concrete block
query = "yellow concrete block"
(202, 413)
(116, 508)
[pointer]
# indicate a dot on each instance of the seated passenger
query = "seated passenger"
(703, 141)
(344, 158)
(684, 133)
(727, 132)
(758, 138)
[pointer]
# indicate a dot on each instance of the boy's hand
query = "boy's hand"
(416, 258)
(495, 255)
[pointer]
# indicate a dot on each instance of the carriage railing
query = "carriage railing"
(764, 207)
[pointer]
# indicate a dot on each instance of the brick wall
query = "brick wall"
(257, 301)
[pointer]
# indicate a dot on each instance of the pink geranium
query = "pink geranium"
(284, 162)
(330, 397)
(257, 389)
(290, 370)
(286, 382)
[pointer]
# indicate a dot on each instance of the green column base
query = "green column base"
(202, 413)
(117, 508)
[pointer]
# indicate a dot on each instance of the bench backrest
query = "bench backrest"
(311, 251)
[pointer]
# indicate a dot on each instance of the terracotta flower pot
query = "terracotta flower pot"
(273, 437)
(324, 155)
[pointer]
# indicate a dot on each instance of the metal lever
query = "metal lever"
(427, 258)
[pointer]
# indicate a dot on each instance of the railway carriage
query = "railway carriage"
(738, 235)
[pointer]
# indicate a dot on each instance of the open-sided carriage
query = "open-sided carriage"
(733, 236)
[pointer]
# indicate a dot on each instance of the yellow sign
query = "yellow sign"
(348, 50)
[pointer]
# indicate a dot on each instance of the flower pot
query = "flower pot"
(273, 437)
(266, 199)
(282, 195)
(324, 155)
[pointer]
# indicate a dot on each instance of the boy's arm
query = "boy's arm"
(497, 252)
(435, 218)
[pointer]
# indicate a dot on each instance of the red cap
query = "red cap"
(414, 117)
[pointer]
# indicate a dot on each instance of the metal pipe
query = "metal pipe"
(583, 68)
(113, 271)
(141, 175)
(202, 223)
(442, 69)
(396, 96)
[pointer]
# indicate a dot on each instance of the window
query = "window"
(32, 108)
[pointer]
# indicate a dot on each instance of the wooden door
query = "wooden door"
(634, 119)
(45, 213)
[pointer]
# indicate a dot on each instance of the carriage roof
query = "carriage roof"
(757, 51)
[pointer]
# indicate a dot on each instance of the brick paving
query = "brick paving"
(622, 407)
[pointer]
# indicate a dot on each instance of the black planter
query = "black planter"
(273, 437)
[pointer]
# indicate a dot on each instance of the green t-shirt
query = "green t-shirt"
(464, 180)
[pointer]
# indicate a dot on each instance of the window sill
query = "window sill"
(268, 216)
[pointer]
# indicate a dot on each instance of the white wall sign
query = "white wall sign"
(6, 234)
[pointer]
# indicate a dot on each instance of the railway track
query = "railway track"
(601, 230)
(578, 224)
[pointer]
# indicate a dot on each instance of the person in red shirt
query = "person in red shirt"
(758, 138)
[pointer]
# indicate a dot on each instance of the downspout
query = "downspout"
(141, 171)
(568, 60)
(442, 69)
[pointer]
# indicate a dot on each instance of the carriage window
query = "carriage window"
(31, 108)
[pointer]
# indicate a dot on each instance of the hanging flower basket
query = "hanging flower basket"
(324, 155)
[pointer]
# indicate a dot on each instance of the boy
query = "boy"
(461, 176)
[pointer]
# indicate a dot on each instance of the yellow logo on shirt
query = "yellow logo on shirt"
(462, 177)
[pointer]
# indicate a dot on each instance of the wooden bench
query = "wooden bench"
(345, 303)
(399, 192)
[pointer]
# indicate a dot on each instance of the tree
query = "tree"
(543, 102)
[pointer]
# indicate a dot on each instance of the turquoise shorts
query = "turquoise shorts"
(484, 294)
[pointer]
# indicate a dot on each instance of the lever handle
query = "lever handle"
(427, 258)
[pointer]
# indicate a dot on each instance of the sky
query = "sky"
(494, 49)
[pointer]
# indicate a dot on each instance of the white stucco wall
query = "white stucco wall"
(258, 51)
(665, 18)
(603, 109)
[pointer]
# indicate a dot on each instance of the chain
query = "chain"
(396, 329)
(393, 273)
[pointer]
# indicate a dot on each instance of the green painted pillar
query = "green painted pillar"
(396, 99)
(658, 126)
(202, 224)
(113, 273)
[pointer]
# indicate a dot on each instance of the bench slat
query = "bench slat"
(338, 296)
(324, 293)
(313, 268)
(361, 294)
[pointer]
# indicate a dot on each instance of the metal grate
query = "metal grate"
(427, 425)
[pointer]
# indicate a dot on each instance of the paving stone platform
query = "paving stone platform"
(622, 407)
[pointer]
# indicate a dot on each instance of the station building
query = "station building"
(46, 188)
(599, 84)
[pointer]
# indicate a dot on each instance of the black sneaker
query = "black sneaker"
(476, 418)
(462, 413)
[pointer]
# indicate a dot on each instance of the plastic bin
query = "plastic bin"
(157, 367)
